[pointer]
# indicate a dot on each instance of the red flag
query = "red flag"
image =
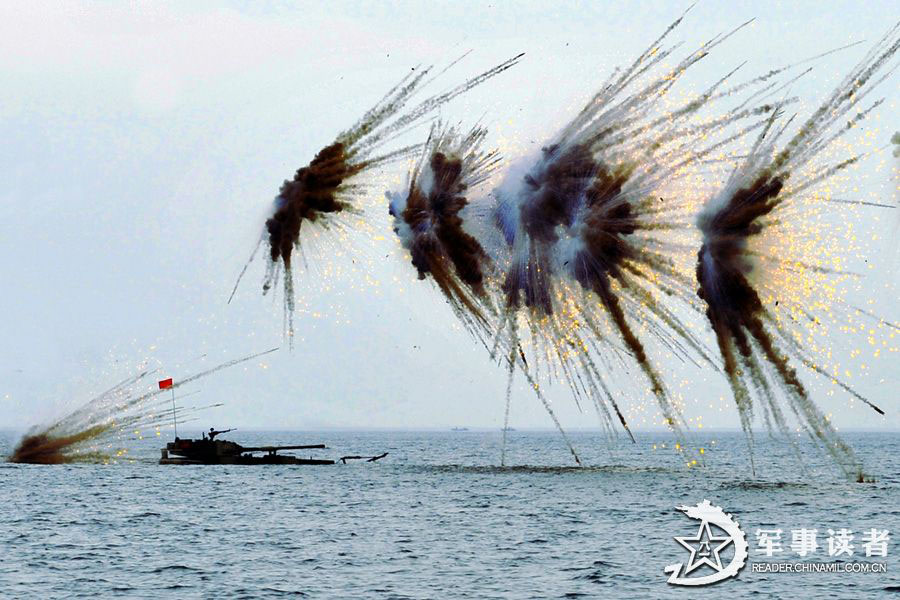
(165, 383)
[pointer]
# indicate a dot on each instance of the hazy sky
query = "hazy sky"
(142, 144)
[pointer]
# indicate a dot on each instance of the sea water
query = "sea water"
(437, 518)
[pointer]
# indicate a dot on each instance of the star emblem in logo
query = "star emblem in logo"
(705, 547)
(702, 548)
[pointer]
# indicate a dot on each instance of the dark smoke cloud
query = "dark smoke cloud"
(429, 220)
(755, 347)
(330, 185)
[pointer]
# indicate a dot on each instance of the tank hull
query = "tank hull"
(246, 460)
(223, 452)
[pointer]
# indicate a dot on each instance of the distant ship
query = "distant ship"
(460, 429)
(208, 451)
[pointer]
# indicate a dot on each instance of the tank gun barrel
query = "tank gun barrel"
(274, 448)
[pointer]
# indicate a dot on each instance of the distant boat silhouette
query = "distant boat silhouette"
(460, 429)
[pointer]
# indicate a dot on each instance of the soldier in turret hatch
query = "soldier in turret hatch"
(213, 433)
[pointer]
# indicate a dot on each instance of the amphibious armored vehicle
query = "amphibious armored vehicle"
(209, 451)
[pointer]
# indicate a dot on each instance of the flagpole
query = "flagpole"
(174, 419)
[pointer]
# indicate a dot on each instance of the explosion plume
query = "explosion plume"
(80, 435)
(330, 185)
(429, 219)
(570, 254)
(770, 284)
(585, 234)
